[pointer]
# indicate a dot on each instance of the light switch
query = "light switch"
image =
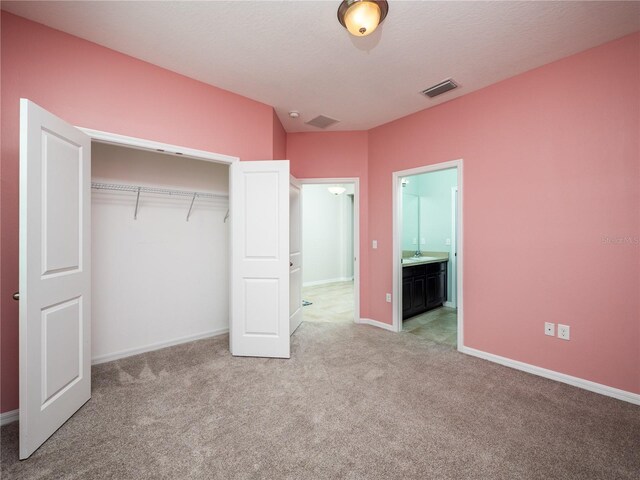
(447, 241)
(374, 244)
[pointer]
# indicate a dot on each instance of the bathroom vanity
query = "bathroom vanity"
(424, 284)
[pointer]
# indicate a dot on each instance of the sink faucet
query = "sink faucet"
(418, 253)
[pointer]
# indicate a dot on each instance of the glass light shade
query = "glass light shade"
(336, 190)
(362, 18)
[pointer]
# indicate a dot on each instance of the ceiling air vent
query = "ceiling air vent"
(322, 122)
(440, 88)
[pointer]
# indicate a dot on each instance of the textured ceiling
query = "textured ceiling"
(295, 55)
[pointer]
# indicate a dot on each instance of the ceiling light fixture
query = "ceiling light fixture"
(294, 114)
(362, 17)
(336, 190)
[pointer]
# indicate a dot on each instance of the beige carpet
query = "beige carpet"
(353, 402)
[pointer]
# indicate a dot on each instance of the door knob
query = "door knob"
(16, 296)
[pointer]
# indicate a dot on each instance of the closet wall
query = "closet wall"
(159, 279)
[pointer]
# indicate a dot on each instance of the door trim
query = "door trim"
(165, 148)
(295, 184)
(152, 145)
(355, 181)
(452, 301)
(397, 242)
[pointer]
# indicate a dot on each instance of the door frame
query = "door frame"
(152, 145)
(166, 149)
(452, 301)
(355, 181)
(397, 242)
(294, 183)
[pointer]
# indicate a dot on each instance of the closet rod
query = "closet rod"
(160, 191)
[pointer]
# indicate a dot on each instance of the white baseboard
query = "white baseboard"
(109, 357)
(376, 323)
(9, 417)
(324, 282)
(559, 377)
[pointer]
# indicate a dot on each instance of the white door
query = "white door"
(295, 255)
(259, 197)
(55, 275)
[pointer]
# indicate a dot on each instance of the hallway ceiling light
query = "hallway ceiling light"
(362, 17)
(336, 190)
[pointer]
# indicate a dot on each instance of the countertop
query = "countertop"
(427, 257)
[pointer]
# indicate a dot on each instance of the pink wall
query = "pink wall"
(337, 155)
(92, 86)
(551, 165)
(279, 139)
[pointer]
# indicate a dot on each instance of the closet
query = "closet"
(129, 245)
(160, 262)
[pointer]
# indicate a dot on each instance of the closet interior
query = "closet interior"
(160, 262)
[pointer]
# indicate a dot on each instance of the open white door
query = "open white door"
(259, 198)
(295, 255)
(55, 275)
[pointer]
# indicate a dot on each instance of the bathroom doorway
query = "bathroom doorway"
(330, 249)
(427, 254)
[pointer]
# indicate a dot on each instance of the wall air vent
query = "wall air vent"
(322, 122)
(440, 88)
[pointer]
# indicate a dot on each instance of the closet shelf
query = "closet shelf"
(138, 189)
(160, 191)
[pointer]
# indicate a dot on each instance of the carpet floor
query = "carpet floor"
(353, 402)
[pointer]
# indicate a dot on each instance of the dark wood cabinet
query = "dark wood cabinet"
(423, 287)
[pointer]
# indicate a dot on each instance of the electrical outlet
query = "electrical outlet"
(447, 241)
(374, 243)
(563, 331)
(415, 241)
(550, 329)
(388, 298)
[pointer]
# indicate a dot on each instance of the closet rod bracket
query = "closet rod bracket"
(135, 214)
(191, 206)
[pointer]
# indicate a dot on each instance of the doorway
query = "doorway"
(427, 246)
(330, 213)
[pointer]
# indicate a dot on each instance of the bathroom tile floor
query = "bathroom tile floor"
(333, 302)
(439, 325)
